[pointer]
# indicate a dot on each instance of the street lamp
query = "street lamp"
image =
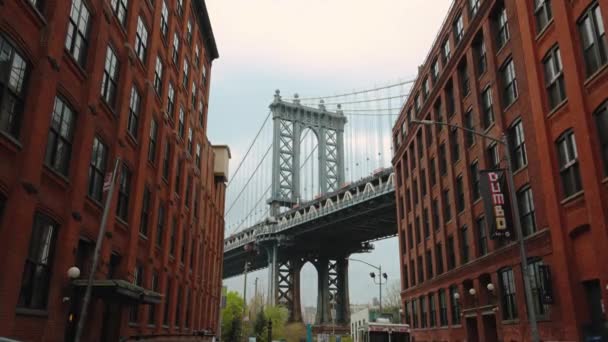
(520, 239)
(373, 276)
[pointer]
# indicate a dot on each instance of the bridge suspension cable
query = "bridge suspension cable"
(355, 92)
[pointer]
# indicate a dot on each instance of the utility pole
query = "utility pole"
(245, 288)
(100, 236)
(380, 287)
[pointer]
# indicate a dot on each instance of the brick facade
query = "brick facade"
(34, 183)
(568, 230)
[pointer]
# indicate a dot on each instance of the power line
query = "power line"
(356, 92)
(370, 114)
(249, 149)
(370, 100)
(236, 230)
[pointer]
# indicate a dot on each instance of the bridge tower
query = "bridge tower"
(290, 119)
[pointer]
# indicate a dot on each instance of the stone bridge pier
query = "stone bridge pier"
(332, 288)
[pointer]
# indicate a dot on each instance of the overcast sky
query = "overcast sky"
(315, 48)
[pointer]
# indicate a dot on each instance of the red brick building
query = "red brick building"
(83, 82)
(538, 71)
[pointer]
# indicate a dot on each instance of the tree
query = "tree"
(260, 325)
(278, 315)
(392, 299)
(232, 317)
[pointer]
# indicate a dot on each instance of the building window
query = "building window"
(568, 164)
(204, 73)
(188, 191)
(109, 82)
(458, 29)
(447, 211)
(420, 270)
(591, 27)
(439, 258)
(482, 236)
(420, 144)
(601, 119)
(502, 26)
(120, 10)
(189, 31)
(418, 235)
(13, 75)
(201, 117)
(469, 137)
(475, 180)
(445, 50)
(443, 167)
(182, 255)
(153, 138)
(414, 313)
(178, 307)
(97, 169)
(61, 134)
(166, 160)
(526, 210)
(180, 7)
(178, 175)
(432, 311)
(425, 223)
(518, 145)
(542, 12)
(429, 264)
(507, 291)
(152, 308)
(175, 53)
(493, 157)
(167, 300)
(141, 40)
(186, 69)
(455, 305)
(487, 107)
(190, 141)
(412, 157)
(464, 244)
(164, 20)
(36, 275)
(198, 156)
(425, 88)
(460, 202)
(538, 286)
(160, 225)
(173, 237)
(474, 6)
(423, 182)
(509, 82)
(479, 51)
(181, 128)
(197, 55)
(170, 100)
(455, 145)
(145, 212)
(435, 212)
(410, 231)
(134, 104)
(443, 309)
(423, 312)
(463, 74)
(435, 70)
(158, 75)
(432, 172)
(554, 78)
(451, 253)
(428, 132)
(124, 185)
(438, 115)
(78, 32)
(449, 98)
(193, 95)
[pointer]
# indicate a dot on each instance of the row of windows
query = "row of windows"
(479, 236)
(37, 273)
(423, 311)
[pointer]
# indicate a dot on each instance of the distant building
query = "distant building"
(536, 71)
(309, 314)
(82, 83)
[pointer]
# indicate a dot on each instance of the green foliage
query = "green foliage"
(260, 326)
(232, 317)
(278, 315)
(295, 332)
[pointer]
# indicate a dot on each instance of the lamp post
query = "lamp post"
(520, 239)
(373, 276)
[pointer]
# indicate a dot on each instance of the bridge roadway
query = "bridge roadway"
(325, 232)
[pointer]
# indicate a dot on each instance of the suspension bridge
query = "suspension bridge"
(315, 185)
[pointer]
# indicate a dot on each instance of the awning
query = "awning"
(121, 290)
